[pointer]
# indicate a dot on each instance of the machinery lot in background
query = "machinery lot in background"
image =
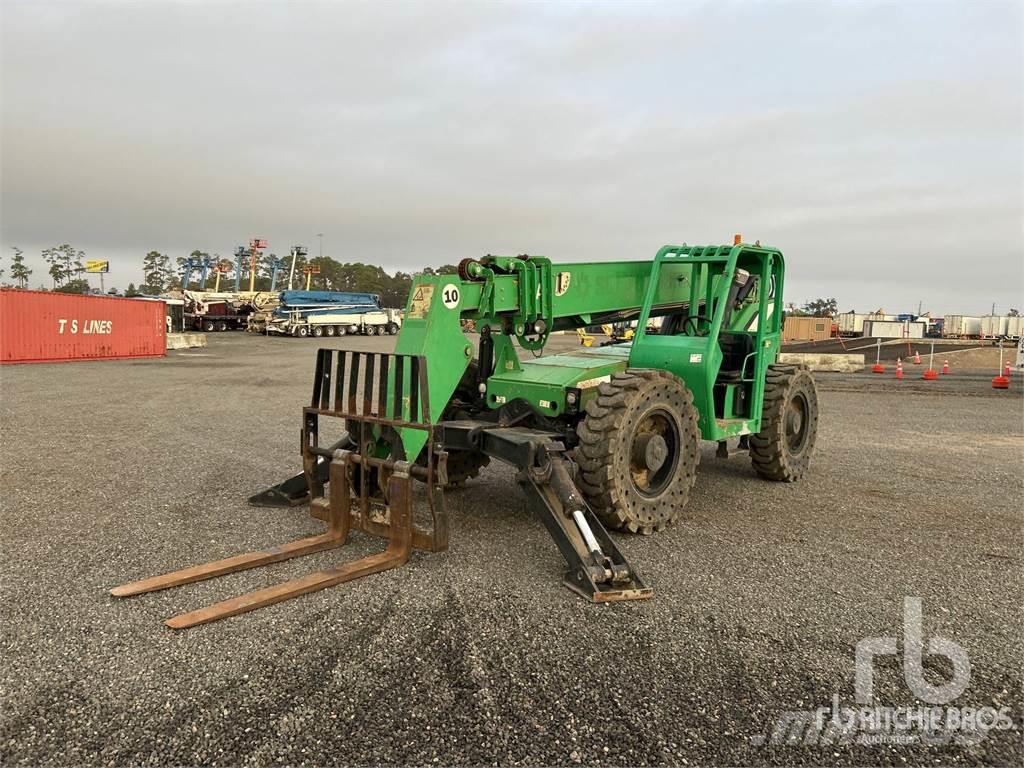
(763, 589)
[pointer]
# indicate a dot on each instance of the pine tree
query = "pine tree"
(156, 269)
(19, 271)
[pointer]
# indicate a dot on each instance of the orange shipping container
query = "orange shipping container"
(39, 326)
(807, 329)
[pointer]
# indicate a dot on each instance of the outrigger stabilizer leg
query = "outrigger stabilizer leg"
(597, 571)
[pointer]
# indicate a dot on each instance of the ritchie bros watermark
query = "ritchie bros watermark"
(933, 721)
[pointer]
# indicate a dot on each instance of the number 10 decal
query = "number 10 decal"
(450, 295)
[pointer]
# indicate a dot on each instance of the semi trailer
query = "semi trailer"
(327, 322)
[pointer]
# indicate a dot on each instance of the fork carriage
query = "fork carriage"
(349, 486)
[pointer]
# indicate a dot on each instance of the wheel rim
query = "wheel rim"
(797, 422)
(654, 452)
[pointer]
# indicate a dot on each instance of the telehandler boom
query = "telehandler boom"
(603, 437)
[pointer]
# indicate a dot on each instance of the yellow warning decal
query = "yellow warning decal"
(421, 298)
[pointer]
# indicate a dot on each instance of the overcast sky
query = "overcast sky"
(878, 145)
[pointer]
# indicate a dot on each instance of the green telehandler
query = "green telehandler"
(603, 438)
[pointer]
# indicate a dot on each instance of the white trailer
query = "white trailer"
(994, 326)
(1014, 327)
(321, 323)
(961, 327)
(895, 329)
(852, 323)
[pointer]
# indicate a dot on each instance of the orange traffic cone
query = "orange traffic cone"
(917, 357)
(945, 366)
(1006, 370)
(899, 369)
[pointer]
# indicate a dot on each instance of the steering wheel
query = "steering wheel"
(692, 319)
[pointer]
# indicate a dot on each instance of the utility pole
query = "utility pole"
(321, 236)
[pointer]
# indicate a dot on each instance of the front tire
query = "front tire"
(639, 450)
(782, 450)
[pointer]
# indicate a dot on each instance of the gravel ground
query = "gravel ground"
(118, 470)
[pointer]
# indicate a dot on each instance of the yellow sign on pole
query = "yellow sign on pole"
(95, 265)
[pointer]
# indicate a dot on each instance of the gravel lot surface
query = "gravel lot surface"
(115, 471)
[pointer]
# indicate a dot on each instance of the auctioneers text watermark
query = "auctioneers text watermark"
(867, 722)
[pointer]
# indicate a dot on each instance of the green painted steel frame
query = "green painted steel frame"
(513, 296)
(696, 357)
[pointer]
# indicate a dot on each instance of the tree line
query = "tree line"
(161, 273)
(67, 269)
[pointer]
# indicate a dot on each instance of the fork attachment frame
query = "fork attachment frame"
(385, 404)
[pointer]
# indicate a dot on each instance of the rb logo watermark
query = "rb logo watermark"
(869, 723)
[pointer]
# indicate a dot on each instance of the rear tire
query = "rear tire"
(329, 330)
(318, 331)
(340, 330)
(782, 450)
(639, 450)
(209, 326)
(222, 325)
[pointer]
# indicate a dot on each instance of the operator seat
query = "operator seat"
(735, 348)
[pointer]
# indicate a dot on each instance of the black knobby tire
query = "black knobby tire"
(782, 450)
(633, 481)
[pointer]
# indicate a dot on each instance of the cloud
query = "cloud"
(877, 145)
